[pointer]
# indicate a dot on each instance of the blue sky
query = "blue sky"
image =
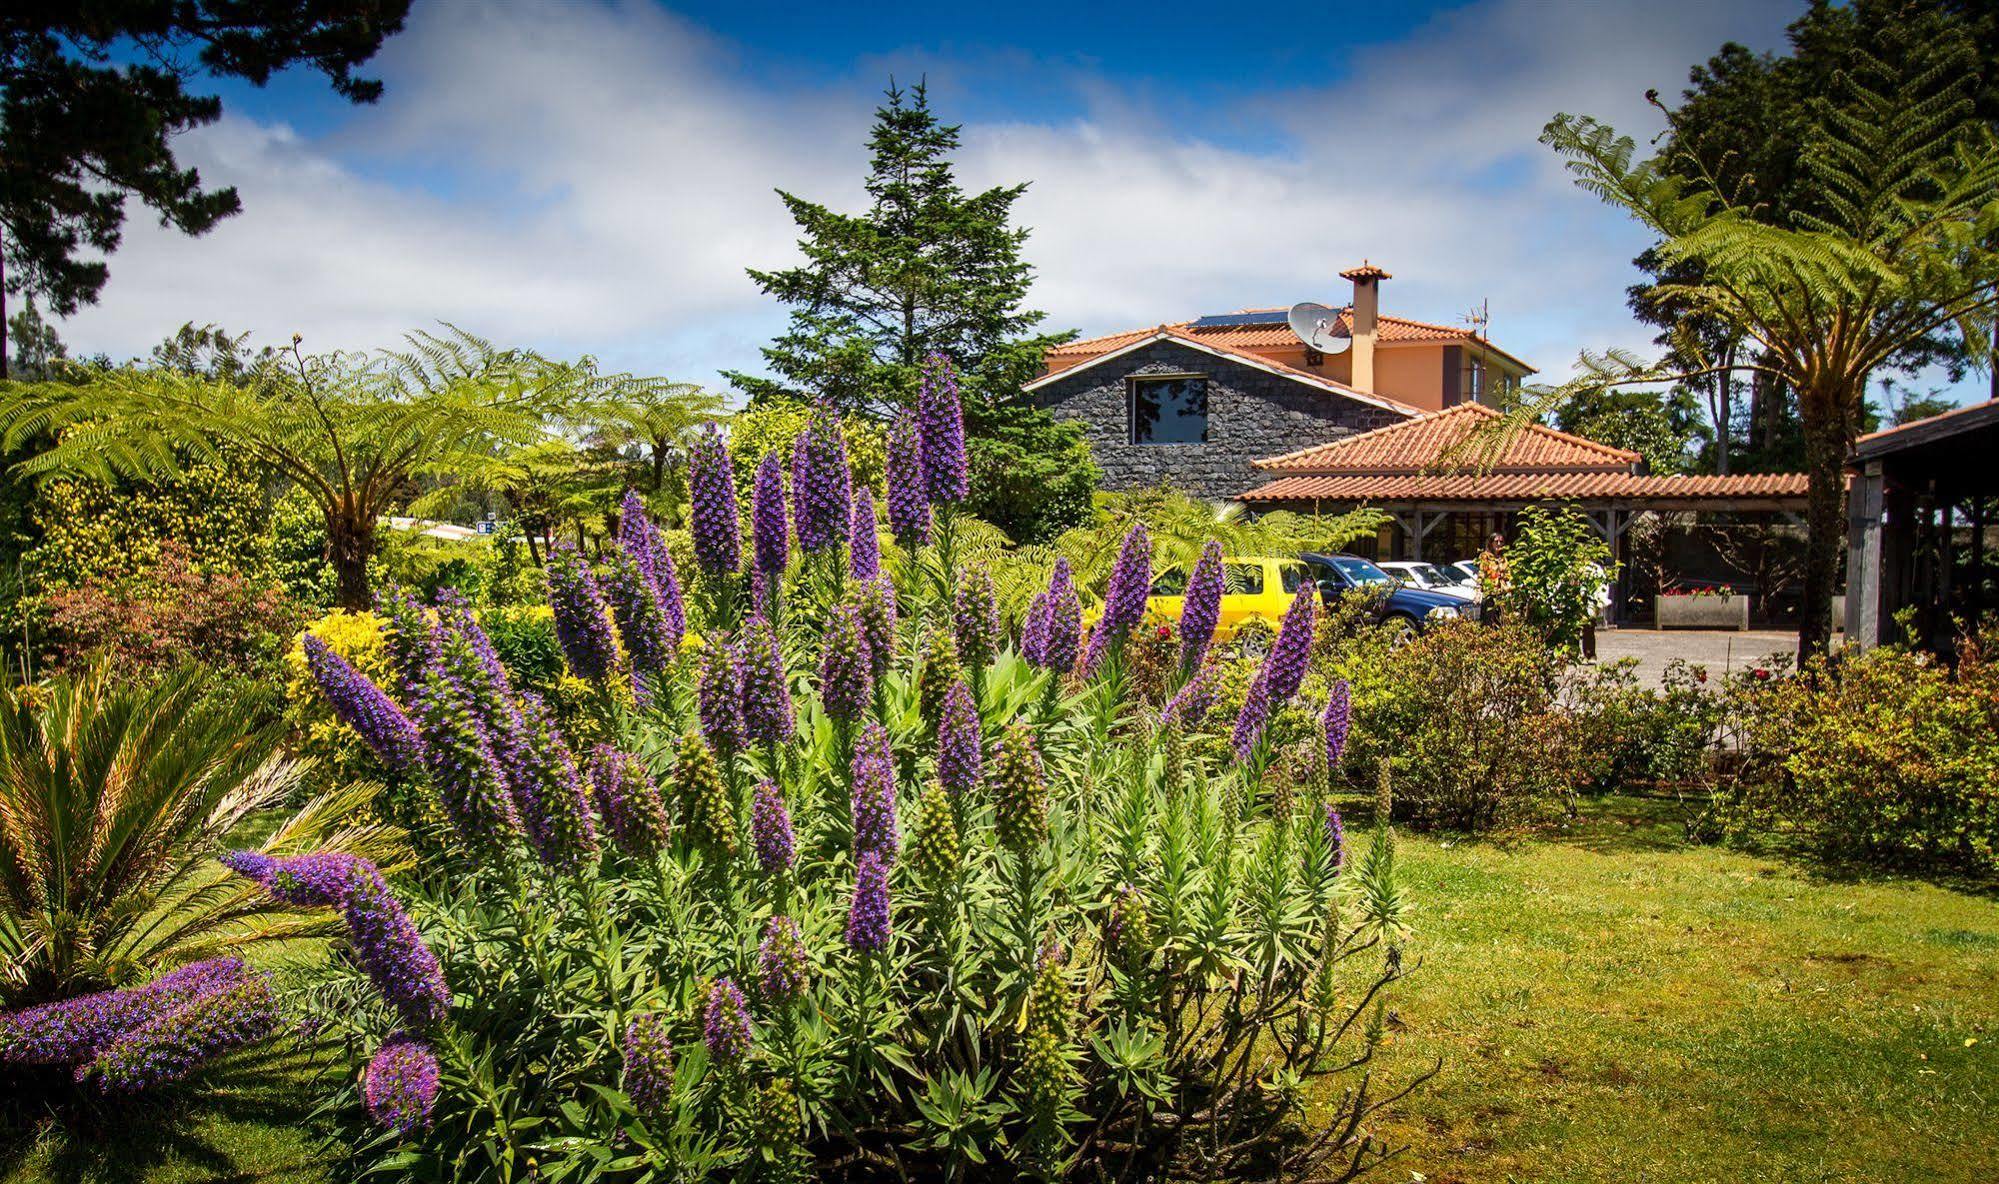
(593, 177)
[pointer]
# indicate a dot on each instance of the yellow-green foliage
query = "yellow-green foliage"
(94, 531)
(358, 638)
(773, 426)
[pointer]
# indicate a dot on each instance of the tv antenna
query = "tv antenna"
(1479, 318)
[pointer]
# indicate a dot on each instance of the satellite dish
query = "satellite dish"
(1318, 326)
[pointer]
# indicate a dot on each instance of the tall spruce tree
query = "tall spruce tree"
(928, 268)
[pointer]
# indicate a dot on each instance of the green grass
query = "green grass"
(1609, 1004)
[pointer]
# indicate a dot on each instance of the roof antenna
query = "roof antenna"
(1478, 318)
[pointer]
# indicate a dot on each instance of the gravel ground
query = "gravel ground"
(1719, 650)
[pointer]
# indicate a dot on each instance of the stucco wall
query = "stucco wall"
(1251, 414)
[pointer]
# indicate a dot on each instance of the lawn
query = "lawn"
(1609, 1003)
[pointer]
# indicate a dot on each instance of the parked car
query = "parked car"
(1344, 575)
(1430, 577)
(1256, 590)
(1465, 571)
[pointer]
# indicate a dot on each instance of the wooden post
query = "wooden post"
(1865, 557)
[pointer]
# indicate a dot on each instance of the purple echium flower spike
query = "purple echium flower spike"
(169, 1046)
(253, 865)
(720, 695)
(1063, 628)
(821, 486)
(640, 539)
(725, 1022)
(1124, 595)
(960, 742)
(940, 426)
(552, 799)
(711, 505)
(73, 1030)
(1250, 723)
(770, 527)
(864, 551)
(580, 622)
(389, 948)
(458, 749)
(874, 794)
(628, 802)
(1336, 837)
(869, 922)
(770, 830)
(908, 502)
(648, 1064)
(975, 619)
(846, 668)
(783, 967)
(1284, 666)
(362, 706)
(1337, 719)
(1201, 610)
(399, 1086)
(875, 599)
(650, 646)
(768, 717)
(407, 630)
(316, 880)
(1189, 705)
(1034, 631)
(490, 691)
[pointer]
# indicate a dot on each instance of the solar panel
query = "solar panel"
(1273, 316)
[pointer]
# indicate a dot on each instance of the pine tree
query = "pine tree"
(928, 268)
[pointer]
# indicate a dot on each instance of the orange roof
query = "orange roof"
(1622, 486)
(1213, 345)
(1276, 335)
(1450, 439)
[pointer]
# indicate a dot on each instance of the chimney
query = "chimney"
(1366, 313)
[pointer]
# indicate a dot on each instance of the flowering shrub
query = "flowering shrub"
(1629, 735)
(870, 897)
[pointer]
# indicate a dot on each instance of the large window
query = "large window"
(1169, 410)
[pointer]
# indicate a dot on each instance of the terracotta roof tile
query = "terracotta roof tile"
(1277, 333)
(1528, 487)
(1448, 439)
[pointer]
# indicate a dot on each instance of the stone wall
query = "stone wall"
(1251, 414)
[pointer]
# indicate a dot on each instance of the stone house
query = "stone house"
(1194, 403)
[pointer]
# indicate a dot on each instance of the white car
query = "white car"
(1430, 578)
(1465, 569)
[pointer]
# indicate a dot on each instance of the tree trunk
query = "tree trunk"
(1725, 417)
(3, 307)
(350, 542)
(1825, 526)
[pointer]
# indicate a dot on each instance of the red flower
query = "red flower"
(1762, 675)
(1165, 631)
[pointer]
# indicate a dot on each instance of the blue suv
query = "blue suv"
(1340, 575)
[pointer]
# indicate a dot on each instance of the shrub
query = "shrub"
(1556, 569)
(165, 615)
(1886, 755)
(1086, 960)
(1629, 735)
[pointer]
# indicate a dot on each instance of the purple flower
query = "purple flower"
(361, 705)
(255, 865)
(550, 793)
(1201, 610)
(1034, 630)
(628, 802)
(1250, 723)
(864, 552)
(458, 748)
(725, 1022)
(1337, 719)
(908, 503)
(940, 426)
(770, 530)
(711, 510)
(72, 1030)
(400, 1085)
(821, 487)
(869, 924)
(180, 1039)
(580, 623)
(768, 717)
(770, 830)
(875, 599)
(846, 668)
(409, 632)
(1060, 627)
(1124, 595)
(641, 540)
(317, 880)
(648, 1065)
(1284, 666)
(975, 619)
(874, 794)
(1336, 837)
(1189, 705)
(960, 742)
(783, 967)
(650, 644)
(389, 948)
(720, 696)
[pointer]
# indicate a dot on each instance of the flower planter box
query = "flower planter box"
(1701, 612)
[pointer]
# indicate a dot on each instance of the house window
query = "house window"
(1171, 410)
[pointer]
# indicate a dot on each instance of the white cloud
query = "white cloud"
(595, 179)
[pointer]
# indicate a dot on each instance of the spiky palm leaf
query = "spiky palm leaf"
(114, 802)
